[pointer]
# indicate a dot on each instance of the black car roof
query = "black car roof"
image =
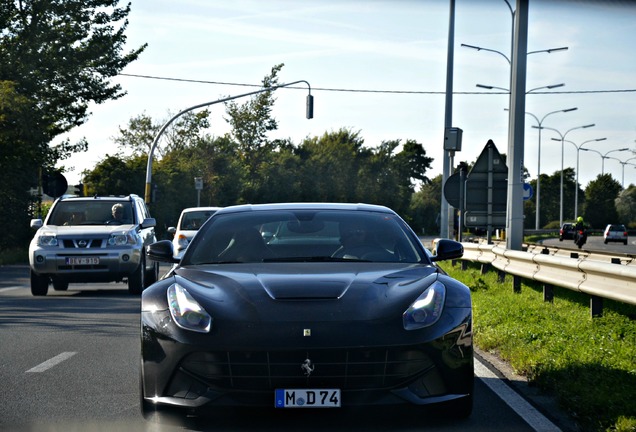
(305, 206)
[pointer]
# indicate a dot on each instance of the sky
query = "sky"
(379, 68)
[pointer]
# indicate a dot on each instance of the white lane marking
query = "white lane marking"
(52, 362)
(10, 288)
(530, 414)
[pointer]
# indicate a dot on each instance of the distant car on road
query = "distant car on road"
(566, 232)
(615, 233)
(189, 223)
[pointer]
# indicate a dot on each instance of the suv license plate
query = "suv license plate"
(307, 398)
(82, 260)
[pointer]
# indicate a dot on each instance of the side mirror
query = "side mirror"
(446, 249)
(149, 223)
(36, 223)
(161, 251)
(172, 230)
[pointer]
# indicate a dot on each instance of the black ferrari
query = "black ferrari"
(294, 306)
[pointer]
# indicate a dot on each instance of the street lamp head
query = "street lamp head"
(570, 109)
(555, 86)
(471, 46)
(588, 125)
(551, 50)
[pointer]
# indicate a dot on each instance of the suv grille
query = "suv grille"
(82, 243)
(347, 369)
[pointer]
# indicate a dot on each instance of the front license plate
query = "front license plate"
(307, 398)
(82, 260)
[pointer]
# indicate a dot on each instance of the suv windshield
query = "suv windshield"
(85, 212)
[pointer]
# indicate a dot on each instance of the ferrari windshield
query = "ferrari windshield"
(305, 236)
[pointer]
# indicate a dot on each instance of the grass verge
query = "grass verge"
(588, 364)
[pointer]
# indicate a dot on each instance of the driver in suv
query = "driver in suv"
(93, 239)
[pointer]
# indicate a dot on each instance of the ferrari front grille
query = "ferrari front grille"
(347, 369)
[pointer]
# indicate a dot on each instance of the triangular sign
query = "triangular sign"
(482, 163)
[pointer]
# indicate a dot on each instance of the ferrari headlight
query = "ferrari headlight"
(123, 239)
(186, 312)
(427, 309)
(46, 239)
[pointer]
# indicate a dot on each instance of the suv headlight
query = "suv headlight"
(123, 239)
(427, 309)
(47, 239)
(186, 312)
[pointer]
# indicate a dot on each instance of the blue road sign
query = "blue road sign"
(528, 192)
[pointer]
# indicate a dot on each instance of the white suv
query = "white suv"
(93, 239)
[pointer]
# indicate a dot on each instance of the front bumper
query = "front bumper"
(86, 265)
(245, 369)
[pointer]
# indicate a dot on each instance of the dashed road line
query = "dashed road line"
(52, 362)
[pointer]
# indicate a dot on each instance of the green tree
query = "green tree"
(551, 197)
(115, 175)
(626, 205)
(424, 209)
(61, 54)
(330, 166)
(251, 121)
(600, 207)
(140, 132)
(16, 167)
(56, 57)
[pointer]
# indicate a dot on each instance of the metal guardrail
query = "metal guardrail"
(599, 275)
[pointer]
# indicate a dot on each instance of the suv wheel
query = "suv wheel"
(39, 284)
(137, 279)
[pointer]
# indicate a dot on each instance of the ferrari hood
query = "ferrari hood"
(304, 281)
(329, 291)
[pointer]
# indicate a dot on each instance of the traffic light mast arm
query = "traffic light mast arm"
(309, 114)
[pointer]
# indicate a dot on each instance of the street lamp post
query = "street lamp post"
(562, 154)
(604, 156)
(538, 192)
(540, 123)
(309, 115)
(576, 189)
(623, 163)
(623, 169)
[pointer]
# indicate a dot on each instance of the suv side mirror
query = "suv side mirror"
(36, 223)
(149, 223)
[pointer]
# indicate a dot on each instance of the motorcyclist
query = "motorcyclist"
(580, 227)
